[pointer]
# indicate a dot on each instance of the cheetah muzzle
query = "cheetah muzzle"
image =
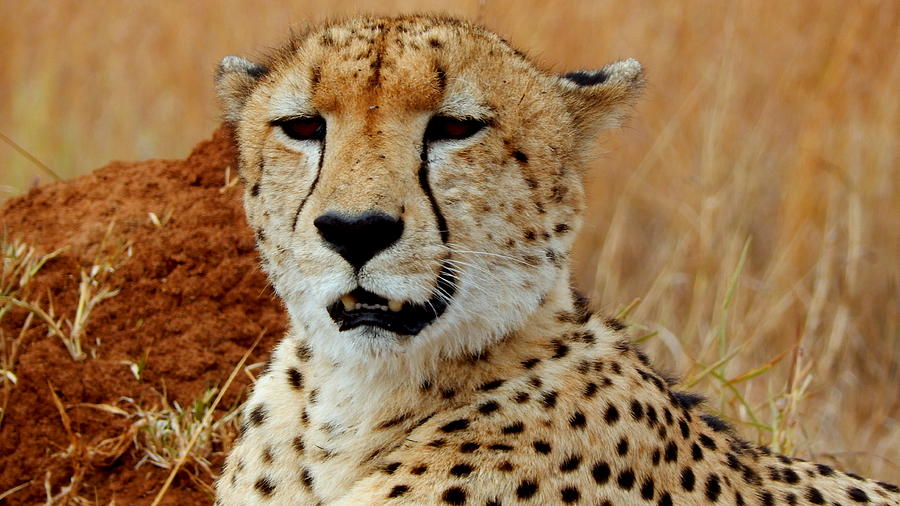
(362, 307)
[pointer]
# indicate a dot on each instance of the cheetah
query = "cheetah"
(415, 186)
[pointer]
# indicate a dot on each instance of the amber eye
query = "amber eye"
(442, 128)
(310, 128)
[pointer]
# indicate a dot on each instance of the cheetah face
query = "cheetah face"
(415, 188)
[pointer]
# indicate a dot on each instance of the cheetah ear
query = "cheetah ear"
(598, 99)
(235, 79)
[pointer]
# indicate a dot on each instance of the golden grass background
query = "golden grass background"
(766, 124)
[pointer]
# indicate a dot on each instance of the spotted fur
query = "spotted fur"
(517, 393)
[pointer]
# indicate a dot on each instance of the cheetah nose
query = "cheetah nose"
(359, 238)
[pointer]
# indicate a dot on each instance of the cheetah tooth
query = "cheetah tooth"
(395, 305)
(349, 302)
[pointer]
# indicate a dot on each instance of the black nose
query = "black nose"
(359, 238)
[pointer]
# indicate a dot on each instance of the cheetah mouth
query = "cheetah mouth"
(361, 308)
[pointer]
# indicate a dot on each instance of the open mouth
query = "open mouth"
(362, 307)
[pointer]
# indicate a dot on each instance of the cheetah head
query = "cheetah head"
(414, 182)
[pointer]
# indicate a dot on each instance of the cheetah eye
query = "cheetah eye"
(309, 128)
(443, 128)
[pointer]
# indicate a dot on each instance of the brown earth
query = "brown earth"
(192, 301)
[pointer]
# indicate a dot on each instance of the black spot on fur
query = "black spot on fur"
(713, 488)
(586, 78)
(515, 428)
(541, 447)
(264, 487)
(696, 452)
(454, 495)
(671, 452)
(714, 423)
(577, 420)
(626, 479)
(526, 489)
(687, 400)
(530, 363)
(397, 420)
(687, 479)
(601, 473)
(520, 156)
(303, 353)
(418, 470)
(500, 447)
(857, 495)
(468, 447)
(488, 407)
(790, 475)
(824, 470)
(617, 326)
(570, 464)
(586, 337)
(254, 190)
(549, 399)
(398, 490)
(707, 442)
(637, 410)
(732, 461)
(622, 447)
(455, 425)
(298, 445)
(569, 494)
(295, 378)
(814, 496)
(665, 500)
(612, 414)
(306, 478)
(888, 486)
(461, 470)
(647, 489)
(491, 385)
(258, 415)
(391, 468)
(560, 349)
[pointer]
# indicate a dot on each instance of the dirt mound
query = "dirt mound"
(191, 303)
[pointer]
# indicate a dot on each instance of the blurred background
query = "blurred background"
(744, 222)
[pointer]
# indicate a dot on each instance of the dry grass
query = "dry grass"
(751, 205)
(19, 263)
(91, 292)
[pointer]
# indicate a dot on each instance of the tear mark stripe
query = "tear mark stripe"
(426, 187)
(311, 188)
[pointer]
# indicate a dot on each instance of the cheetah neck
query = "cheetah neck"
(362, 396)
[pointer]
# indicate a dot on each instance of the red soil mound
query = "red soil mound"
(192, 301)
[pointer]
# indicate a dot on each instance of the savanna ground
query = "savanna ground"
(744, 224)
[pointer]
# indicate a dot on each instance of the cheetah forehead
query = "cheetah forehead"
(413, 63)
